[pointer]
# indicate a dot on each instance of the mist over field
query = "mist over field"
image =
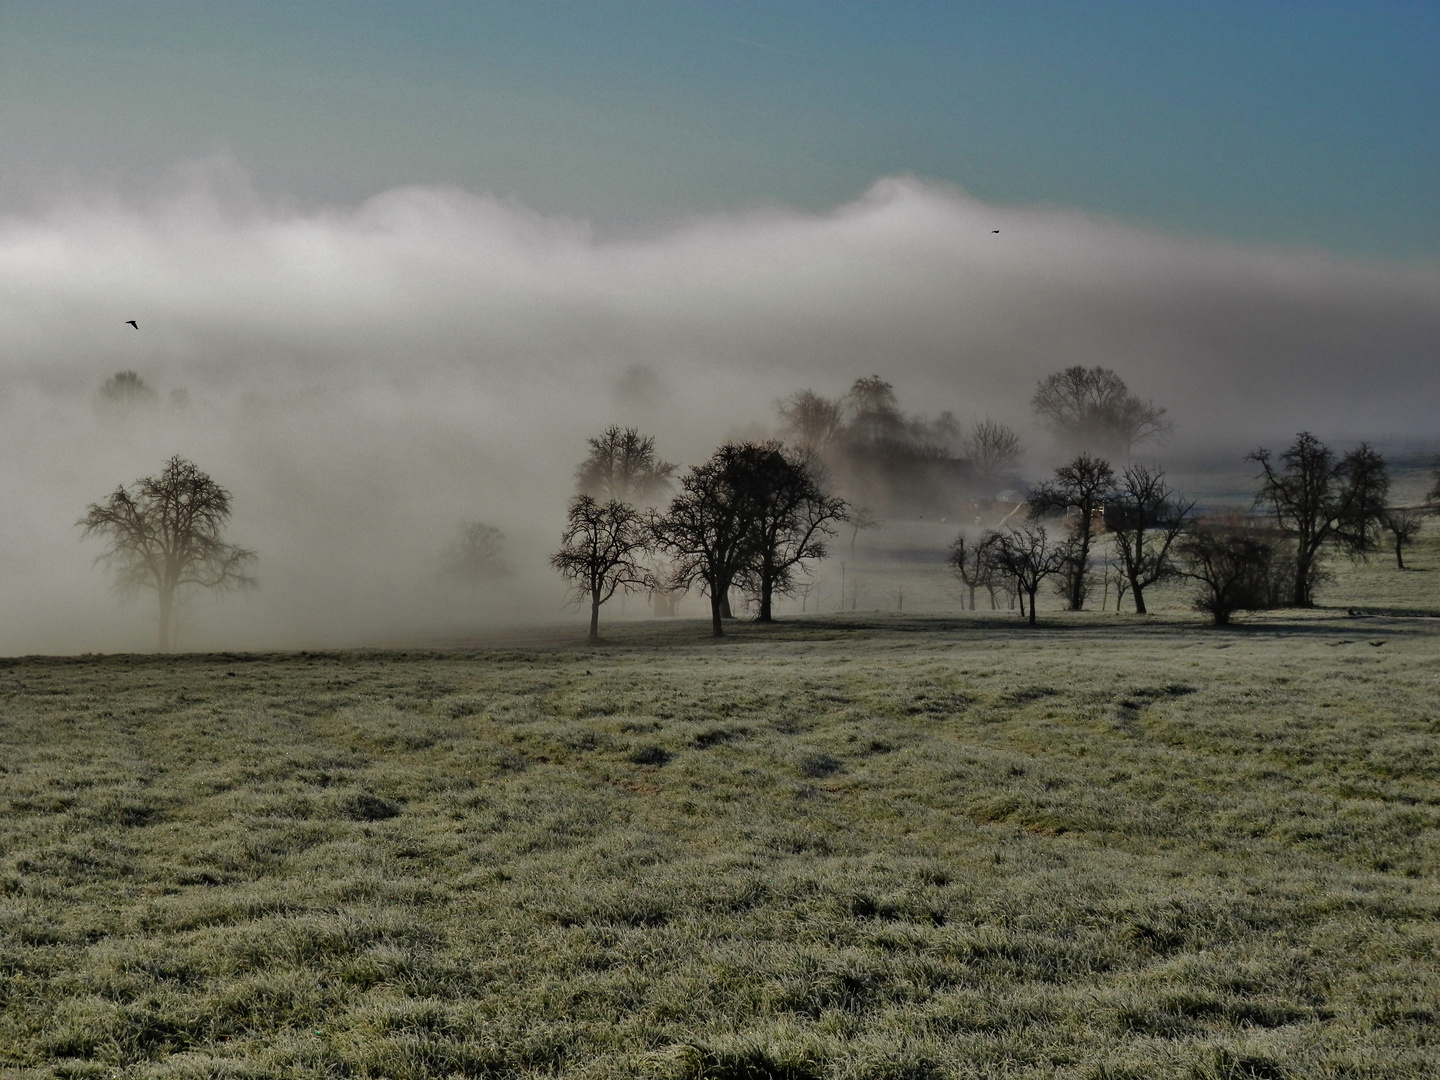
(363, 378)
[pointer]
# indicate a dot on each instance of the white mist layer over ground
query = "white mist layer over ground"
(362, 379)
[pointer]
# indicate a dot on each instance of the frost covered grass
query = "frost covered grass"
(848, 846)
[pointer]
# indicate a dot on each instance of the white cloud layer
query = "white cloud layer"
(362, 378)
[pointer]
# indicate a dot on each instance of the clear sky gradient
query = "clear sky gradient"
(1296, 124)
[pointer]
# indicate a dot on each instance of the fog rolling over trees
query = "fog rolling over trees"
(363, 378)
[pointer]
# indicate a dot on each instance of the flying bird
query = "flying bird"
(132, 322)
(996, 231)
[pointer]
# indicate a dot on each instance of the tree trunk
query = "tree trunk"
(717, 626)
(1399, 558)
(767, 590)
(1032, 606)
(1082, 565)
(725, 612)
(972, 597)
(1301, 594)
(167, 609)
(594, 617)
(1139, 598)
(1020, 593)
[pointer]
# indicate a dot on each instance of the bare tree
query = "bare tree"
(1232, 568)
(1403, 524)
(601, 551)
(1145, 517)
(993, 449)
(622, 466)
(708, 529)
(1091, 409)
(791, 517)
(810, 420)
(1085, 484)
(476, 556)
(164, 534)
(1321, 501)
(974, 564)
(874, 415)
(862, 519)
(1027, 557)
(126, 389)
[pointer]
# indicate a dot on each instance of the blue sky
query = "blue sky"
(1309, 125)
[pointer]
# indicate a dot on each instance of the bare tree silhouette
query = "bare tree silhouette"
(1319, 501)
(1092, 410)
(164, 534)
(601, 552)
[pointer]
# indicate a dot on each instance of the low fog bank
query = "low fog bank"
(362, 379)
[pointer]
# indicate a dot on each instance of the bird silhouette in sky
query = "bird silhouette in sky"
(132, 322)
(996, 231)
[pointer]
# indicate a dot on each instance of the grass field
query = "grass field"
(880, 845)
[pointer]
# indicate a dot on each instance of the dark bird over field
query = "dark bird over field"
(132, 322)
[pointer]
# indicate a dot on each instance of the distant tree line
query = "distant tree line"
(1309, 502)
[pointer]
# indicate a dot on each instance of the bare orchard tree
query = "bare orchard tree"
(127, 390)
(1027, 557)
(601, 551)
(1231, 566)
(1403, 523)
(809, 420)
(791, 518)
(1083, 485)
(994, 449)
(973, 564)
(164, 534)
(476, 556)
(1320, 501)
(1092, 410)
(707, 531)
(1145, 517)
(862, 519)
(622, 466)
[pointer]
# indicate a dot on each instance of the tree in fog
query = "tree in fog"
(873, 414)
(602, 551)
(973, 563)
(476, 556)
(1091, 409)
(1027, 557)
(126, 389)
(164, 533)
(1145, 517)
(1232, 568)
(1403, 524)
(791, 517)
(707, 531)
(1085, 483)
(622, 466)
(811, 421)
(993, 449)
(1320, 500)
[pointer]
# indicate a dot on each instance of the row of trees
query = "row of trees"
(897, 463)
(750, 517)
(1309, 501)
